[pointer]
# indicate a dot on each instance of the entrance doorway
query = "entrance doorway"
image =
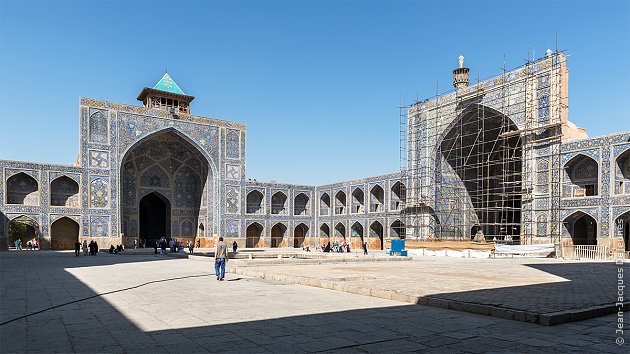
(155, 217)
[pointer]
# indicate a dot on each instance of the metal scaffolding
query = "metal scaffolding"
(476, 160)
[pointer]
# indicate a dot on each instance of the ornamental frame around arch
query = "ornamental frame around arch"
(211, 164)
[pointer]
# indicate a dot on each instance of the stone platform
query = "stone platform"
(539, 290)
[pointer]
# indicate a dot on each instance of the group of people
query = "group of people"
(30, 245)
(117, 249)
(341, 247)
(172, 244)
(91, 248)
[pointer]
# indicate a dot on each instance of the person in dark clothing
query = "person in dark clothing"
(327, 248)
(77, 248)
(155, 246)
(234, 246)
(95, 248)
(163, 246)
(91, 246)
(365, 248)
(111, 249)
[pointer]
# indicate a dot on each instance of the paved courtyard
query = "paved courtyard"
(56, 302)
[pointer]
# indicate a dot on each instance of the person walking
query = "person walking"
(190, 247)
(234, 246)
(220, 257)
(135, 244)
(85, 248)
(155, 246)
(365, 248)
(77, 248)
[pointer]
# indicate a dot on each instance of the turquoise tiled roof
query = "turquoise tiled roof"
(167, 84)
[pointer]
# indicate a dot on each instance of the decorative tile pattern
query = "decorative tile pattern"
(232, 199)
(99, 192)
(99, 126)
(99, 226)
(232, 144)
(233, 172)
(98, 159)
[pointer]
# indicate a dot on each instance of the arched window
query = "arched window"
(22, 189)
(358, 201)
(254, 202)
(398, 196)
(580, 177)
(300, 204)
(64, 191)
(340, 203)
(377, 196)
(324, 204)
(279, 203)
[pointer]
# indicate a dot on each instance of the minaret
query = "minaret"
(460, 75)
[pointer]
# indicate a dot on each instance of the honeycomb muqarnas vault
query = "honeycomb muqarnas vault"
(498, 159)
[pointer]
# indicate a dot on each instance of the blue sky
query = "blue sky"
(317, 83)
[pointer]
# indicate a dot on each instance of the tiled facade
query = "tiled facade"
(196, 163)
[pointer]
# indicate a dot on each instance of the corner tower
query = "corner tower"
(166, 95)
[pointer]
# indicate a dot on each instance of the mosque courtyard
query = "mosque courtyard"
(56, 302)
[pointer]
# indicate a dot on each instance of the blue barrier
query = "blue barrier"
(398, 247)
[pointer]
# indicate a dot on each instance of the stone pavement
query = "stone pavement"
(539, 290)
(110, 303)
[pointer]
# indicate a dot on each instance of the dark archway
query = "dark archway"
(278, 232)
(299, 235)
(357, 230)
(64, 233)
(253, 234)
(324, 231)
(479, 165)
(22, 229)
(622, 173)
(340, 231)
(582, 228)
(155, 217)
(622, 229)
(376, 231)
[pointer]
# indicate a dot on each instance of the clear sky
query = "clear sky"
(317, 83)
